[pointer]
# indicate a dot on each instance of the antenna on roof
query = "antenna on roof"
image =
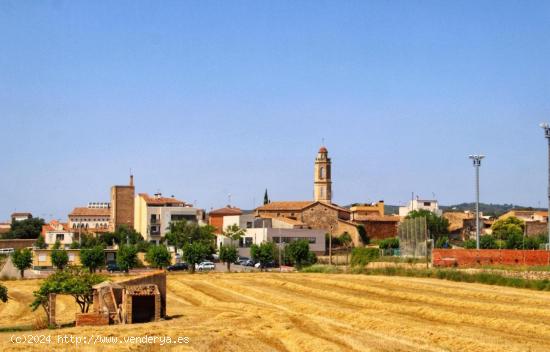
(229, 199)
(322, 141)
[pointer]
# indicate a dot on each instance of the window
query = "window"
(59, 237)
(322, 173)
(71, 257)
(427, 204)
(248, 242)
(42, 258)
(249, 224)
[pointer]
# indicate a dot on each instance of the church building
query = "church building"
(322, 213)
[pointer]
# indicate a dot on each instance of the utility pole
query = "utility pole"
(477, 163)
(546, 128)
(330, 246)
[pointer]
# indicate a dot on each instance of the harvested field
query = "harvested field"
(318, 312)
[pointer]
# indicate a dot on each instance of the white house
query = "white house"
(281, 231)
(58, 232)
(420, 204)
(153, 215)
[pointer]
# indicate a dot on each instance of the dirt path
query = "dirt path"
(319, 312)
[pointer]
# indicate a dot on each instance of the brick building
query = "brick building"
(215, 217)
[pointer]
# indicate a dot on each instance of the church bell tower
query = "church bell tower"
(322, 184)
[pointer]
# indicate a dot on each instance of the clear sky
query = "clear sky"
(202, 99)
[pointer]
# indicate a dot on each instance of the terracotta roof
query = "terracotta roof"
(84, 211)
(286, 205)
(21, 214)
(297, 206)
(289, 221)
(323, 150)
(55, 225)
(226, 211)
(162, 200)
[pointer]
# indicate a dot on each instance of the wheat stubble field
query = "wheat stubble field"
(320, 312)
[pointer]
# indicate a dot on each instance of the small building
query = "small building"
(420, 204)
(216, 217)
(153, 215)
(55, 231)
(94, 218)
(20, 216)
(137, 300)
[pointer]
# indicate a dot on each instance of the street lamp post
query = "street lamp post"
(477, 163)
(546, 128)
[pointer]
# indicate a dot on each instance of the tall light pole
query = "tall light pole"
(546, 128)
(477, 163)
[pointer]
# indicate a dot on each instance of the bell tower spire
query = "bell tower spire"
(322, 183)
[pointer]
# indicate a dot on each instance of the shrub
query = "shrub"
(363, 234)
(362, 256)
(470, 244)
(389, 243)
(3, 293)
(320, 268)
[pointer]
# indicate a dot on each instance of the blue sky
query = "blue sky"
(205, 98)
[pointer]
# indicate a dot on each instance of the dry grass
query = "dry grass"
(322, 312)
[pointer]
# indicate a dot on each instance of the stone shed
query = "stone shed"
(136, 300)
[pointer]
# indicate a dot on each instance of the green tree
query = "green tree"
(158, 256)
(92, 258)
(22, 259)
(185, 232)
(194, 253)
(510, 227)
(263, 253)
(56, 245)
(363, 234)
(26, 229)
(126, 257)
(60, 258)
(437, 225)
(3, 293)
(90, 241)
(71, 281)
(347, 242)
(40, 243)
(234, 232)
(228, 255)
(298, 251)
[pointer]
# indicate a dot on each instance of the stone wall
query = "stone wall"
(159, 279)
(321, 217)
(17, 243)
(536, 227)
(472, 257)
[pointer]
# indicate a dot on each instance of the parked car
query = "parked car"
(248, 262)
(271, 264)
(241, 259)
(113, 267)
(178, 267)
(204, 266)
